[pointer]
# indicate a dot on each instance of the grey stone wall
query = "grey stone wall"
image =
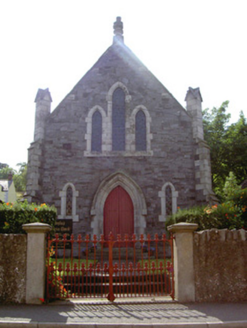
(62, 160)
(13, 250)
(220, 264)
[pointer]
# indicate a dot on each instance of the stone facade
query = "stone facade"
(76, 146)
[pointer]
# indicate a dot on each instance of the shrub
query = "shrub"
(230, 215)
(230, 186)
(14, 215)
(55, 282)
(239, 199)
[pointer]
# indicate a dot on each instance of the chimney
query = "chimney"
(10, 176)
(194, 107)
(43, 108)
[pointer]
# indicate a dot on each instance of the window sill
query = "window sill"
(118, 153)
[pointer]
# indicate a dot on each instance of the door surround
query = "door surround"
(135, 193)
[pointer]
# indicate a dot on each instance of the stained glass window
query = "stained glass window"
(118, 120)
(96, 132)
(168, 192)
(69, 197)
(141, 136)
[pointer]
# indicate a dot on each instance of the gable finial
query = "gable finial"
(118, 30)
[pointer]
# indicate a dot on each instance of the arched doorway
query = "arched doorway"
(134, 191)
(118, 213)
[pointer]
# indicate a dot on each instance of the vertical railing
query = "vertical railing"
(111, 242)
(116, 267)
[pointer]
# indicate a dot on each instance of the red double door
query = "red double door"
(118, 213)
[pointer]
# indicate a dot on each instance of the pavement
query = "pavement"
(136, 313)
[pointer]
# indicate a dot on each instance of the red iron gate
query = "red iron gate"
(128, 267)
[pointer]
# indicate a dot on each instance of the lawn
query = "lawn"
(65, 262)
(157, 263)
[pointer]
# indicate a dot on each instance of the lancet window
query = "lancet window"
(168, 196)
(68, 202)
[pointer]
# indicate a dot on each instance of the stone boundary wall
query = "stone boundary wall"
(220, 265)
(13, 257)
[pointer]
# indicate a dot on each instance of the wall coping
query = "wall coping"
(36, 227)
(183, 227)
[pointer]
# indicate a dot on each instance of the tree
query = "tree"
(231, 186)
(19, 177)
(228, 145)
(5, 172)
(236, 145)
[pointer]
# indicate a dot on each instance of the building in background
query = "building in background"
(7, 190)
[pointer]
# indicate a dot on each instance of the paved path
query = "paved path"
(124, 314)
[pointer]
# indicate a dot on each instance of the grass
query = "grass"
(71, 265)
(157, 265)
(94, 263)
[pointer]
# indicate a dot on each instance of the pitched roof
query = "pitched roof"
(119, 54)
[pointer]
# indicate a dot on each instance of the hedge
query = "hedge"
(14, 215)
(232, 214)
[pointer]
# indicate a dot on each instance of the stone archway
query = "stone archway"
(135, 193)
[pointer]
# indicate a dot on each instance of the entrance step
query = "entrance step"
(119, 253)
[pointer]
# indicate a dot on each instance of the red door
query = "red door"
(118, 213)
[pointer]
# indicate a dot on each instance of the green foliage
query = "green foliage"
(230, 186)
(19, 178)
(5, 171)
(13, 216)
(194, 215)
(227, 144)
(239, 199)
(55, 285)
(230, 215)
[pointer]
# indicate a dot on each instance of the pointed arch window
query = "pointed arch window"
(168, 196)
(118, 128)
(118, 120)
(140, 122)
(141, 133)
(69, 199)
(68, 202)
(96, 132)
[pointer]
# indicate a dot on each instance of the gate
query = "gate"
(99, 268)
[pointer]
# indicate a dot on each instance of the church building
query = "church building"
(119, 153)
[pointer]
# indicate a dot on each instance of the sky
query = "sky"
(53, 43)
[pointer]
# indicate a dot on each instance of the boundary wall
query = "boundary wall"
(209, 266)
(220, 265)
(13, 261)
